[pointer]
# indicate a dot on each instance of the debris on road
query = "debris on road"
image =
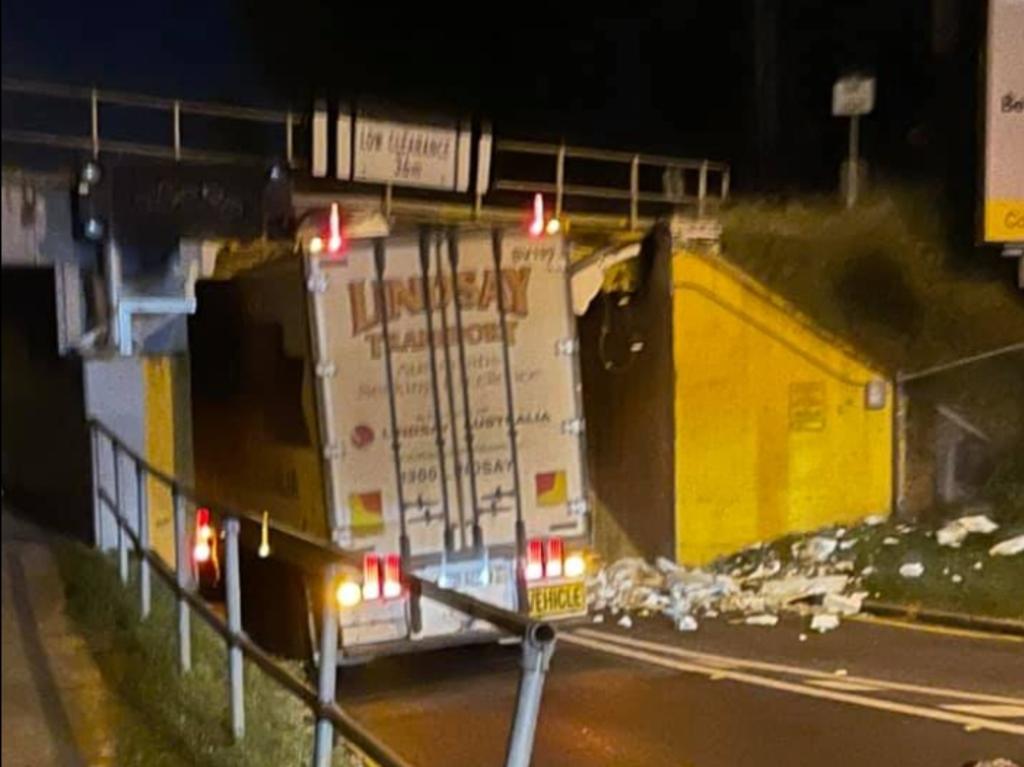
(911, 570)
(823, 622)
(825, 575)
(1008, 548)
(844, 604)
(686, 623)
(953, 533)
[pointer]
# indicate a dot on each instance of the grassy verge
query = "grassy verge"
(964, 579)
(175, 720)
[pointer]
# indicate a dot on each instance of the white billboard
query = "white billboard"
(1003, 199)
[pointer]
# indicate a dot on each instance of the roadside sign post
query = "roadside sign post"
(852, 96)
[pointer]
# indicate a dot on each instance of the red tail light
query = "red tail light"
(202, 550)
(553, 565)
(534, 559)
(392, 576)
(371, 576)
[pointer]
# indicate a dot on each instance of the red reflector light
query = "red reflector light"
(534, 559)
(537, 224)
(335, 242)
(371, 576)
(392, 576)
(553, 565)
(202, 517)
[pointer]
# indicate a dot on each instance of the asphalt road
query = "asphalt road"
(866, 695)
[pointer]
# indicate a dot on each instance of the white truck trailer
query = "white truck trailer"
(415, 398)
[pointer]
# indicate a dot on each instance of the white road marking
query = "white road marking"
(996, 712)
(781, 668)
(835, 684)
(923, 712)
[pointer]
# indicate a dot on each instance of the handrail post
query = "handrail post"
(323, 744)
(122, 536)
(233, 587)
(702, 189)
(143, 503)
(559, 180)
(538, 647)
(97, 498)
(181, 569)
(94, 120)
(634, 191)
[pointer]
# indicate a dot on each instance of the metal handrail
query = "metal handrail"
(177, 109)
(121, 98)
(348, 726)
(610, 155)
(677, 191)
(538, 637)
(675, 167)
(312, 554)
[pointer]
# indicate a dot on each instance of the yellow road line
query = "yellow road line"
(934, 629)
(922, 712)
(806, 673)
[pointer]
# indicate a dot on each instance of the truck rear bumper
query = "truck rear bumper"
(358, 654)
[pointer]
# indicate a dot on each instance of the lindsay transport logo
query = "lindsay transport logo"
(403, 296)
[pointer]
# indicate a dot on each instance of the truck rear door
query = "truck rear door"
(453, 470)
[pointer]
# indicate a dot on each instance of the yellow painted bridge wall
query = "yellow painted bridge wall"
(773, 432)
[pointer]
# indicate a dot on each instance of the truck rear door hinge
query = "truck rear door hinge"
(317, 283)
(572, 426)
(578, 507)
(567, 347)
(326, 369)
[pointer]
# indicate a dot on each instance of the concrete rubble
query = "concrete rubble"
(953, 533)
(818, 576)
(911, 570)
(1008, 548)
(815, 581)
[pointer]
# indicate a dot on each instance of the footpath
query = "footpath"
(57, 708)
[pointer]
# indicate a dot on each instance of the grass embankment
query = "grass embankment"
(995, 589)
(175, 720)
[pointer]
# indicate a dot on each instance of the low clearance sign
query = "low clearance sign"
(1003, 211)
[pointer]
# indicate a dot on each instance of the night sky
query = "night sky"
(747, 81)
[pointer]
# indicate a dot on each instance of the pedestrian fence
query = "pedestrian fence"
(314, 557)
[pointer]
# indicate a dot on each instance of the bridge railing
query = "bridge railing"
(93, 124)
(311, 555)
